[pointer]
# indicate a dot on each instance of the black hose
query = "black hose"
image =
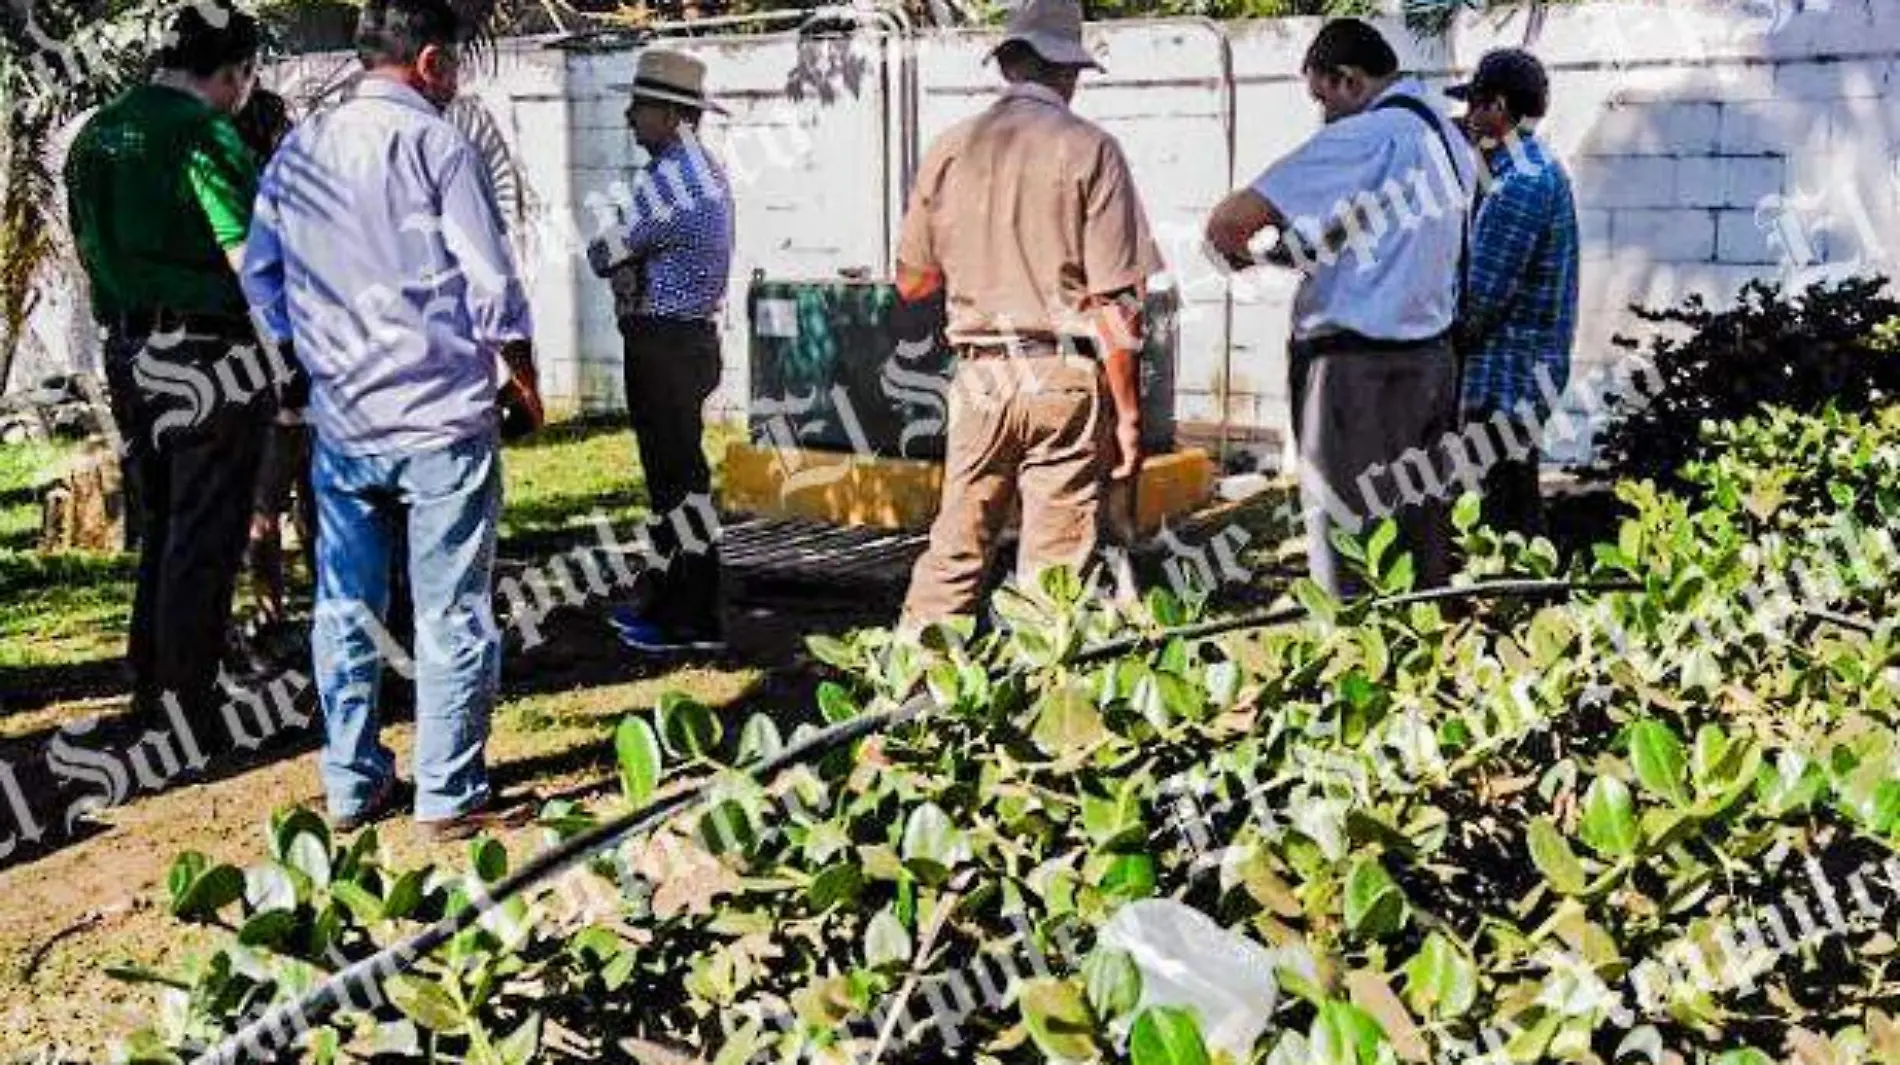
(283, 1023)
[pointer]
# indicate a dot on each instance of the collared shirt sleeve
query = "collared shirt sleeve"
(1309, 185)
(1510, 221)
(916, 240)
(223, 176)
(1118, 249)
(263, 274)
(471, 228)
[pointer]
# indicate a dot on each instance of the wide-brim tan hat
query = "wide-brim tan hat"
(674, 77)
(1054, 29)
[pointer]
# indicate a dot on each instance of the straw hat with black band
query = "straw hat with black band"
(671, 77)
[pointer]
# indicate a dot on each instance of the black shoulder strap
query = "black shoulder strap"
(1425, 113)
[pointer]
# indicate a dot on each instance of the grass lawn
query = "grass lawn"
(82, 901)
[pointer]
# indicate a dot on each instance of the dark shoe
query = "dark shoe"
(497, 814)
(650, 637)
(385, 802)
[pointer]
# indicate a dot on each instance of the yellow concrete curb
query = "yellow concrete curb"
(902, 494)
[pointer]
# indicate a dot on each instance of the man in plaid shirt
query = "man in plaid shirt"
(1520, 313)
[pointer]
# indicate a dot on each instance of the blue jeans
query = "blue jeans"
(449, 500)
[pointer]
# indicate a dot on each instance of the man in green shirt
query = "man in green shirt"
(160, 187)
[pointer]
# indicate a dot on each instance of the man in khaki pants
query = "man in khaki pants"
(1028, 214)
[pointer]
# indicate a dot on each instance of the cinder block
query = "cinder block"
(1765, 127)
(1654, 129)
(1593, 232)
(1740, 240)
(1699, 182)
(1827, 79)
(1675, 235)
(1748, 180)
(1620, 182)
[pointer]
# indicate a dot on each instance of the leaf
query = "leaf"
(139, 974)
(1375, 907)
(1316, 601)
(365, 907)
(405, 894)
(1381, 541)
(1706, 759)
(1657, 756)
(268, 929)
(1402, 577)
(1441, 983)
(688, 728)
(287, 825)
(1166, 1035)
(1553, 857)
(210, 892)
(1467, 511)
(1067, 723)
(1744, 1056)
(835, 886)
(929, 836)
(1129, 877)
(833, 652)
(1222, 680)
(886, 941)
(1112, 981)
(759, 740)
(185, 870)
(1370, 992)
(521, 1045)
(835, 703)
(727, 829)
(1609, 818)
(425, 1002)
(1058, 1018)
(308, 854)
(268, 887)
(488, 858)
(1344, 1034)
(638, 751)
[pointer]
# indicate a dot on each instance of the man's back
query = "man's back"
(1383, 178)
(1029, 210)
(397, 285)
(158, 183)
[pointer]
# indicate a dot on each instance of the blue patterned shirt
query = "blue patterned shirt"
(1521, 293)
(679, 233)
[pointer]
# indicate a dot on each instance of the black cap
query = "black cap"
(1514, 74)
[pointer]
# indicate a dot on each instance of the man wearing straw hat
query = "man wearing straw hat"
(1028, 215)
(669, 264)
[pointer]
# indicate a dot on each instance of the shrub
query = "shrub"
(1625, 823)
(1826, 346)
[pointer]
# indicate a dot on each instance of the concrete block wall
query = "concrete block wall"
(1711, 143)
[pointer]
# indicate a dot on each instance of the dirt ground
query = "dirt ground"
(81, 900)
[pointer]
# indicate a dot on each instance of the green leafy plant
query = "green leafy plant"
(1508, 824)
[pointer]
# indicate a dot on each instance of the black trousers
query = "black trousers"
(193, 437)
(672, 368)
(1513, 500)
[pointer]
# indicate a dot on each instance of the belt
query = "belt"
(1030, 347)
(165, 320)
(1334, 343)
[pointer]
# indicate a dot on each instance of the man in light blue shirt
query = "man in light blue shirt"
(1372, 212)
(377, 248)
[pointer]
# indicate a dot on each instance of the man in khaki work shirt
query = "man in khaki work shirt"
(1028, 214)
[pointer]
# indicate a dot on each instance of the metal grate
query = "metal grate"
(817, 552)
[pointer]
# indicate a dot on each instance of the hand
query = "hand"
(1128, 448)
(520, 398)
